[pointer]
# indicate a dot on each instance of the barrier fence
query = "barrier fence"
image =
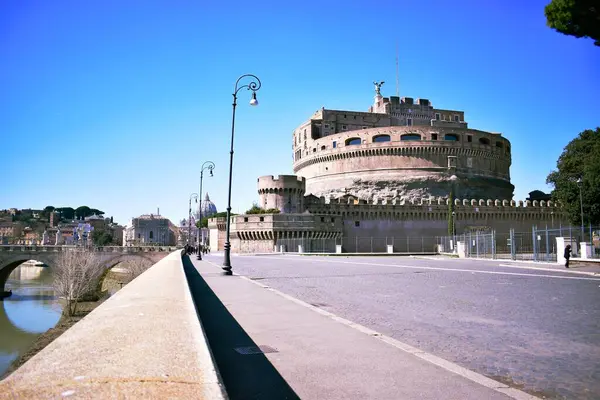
(361, 244)
(538, 244)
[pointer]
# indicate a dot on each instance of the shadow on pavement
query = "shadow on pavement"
(250, 376)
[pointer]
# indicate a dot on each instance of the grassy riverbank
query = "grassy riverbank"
(112, 282)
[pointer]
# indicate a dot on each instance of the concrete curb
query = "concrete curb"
(146, 341)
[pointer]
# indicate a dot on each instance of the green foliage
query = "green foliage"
(255, 209)
(580, 159)
(101, 237)
(82, 212)
(204, 222)
(66, 212)
(579, 18)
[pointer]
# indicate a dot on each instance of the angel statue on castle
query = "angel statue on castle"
(378, 87)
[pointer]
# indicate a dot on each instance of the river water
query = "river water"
(30, 311)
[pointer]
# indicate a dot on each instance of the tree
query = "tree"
(76, 274)
(95, 211)
(579, 18)
(100, 237)
(255, 209)
(66, 212)
(136, 267)
(82, 212)
(580, 159)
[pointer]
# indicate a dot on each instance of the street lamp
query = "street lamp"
(254, 85)
(195, 196)
(210, 166)
(579, 183)
(453, 180)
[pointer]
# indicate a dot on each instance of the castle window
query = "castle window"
(408, 121)
(410, 136)
(451, 136)
(151, 235)
(327, 126)
(356, 223)
(353, 141)
(456, 118)
(344, 127)
(434, 136)
(437, 116)
(485, 141)
(469, 138)
(262, 219)
(499, 144)
(322, 219)
(334, 144)
(314, 149)
(332, 219)
(323, 147)
(381, 138)
(245, 219)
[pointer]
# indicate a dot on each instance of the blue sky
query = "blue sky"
(115, 104)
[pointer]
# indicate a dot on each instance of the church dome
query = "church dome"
(208, 207)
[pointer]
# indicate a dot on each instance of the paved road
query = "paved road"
(538, 330)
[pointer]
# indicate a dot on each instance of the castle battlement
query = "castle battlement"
(435, 201)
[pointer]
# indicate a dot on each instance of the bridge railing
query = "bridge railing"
(107, 249)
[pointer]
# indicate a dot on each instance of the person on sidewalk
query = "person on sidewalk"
(567, 255)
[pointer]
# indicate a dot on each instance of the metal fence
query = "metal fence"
(539, 244)
(307, 245)
(362, 244)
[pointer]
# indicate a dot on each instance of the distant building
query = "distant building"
(150, 229)
(54, 218)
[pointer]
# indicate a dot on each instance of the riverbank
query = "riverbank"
(112, 282)
(47, 337)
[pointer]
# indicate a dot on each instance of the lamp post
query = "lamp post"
(254, 85)
(580, 183)
(210, 166)
(193, 195)
(453, 179)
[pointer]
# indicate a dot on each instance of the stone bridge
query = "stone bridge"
(11, 256)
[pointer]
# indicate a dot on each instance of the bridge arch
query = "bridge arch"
(9, 260)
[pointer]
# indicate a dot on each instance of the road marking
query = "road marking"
(450, 269)
(541, 268)
(433, 359)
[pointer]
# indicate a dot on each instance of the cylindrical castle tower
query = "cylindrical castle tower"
(284, 192)
(410, 162)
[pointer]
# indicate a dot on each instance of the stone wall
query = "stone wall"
(407, 168)
(284, 192)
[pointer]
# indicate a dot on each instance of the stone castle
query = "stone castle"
(389, 172)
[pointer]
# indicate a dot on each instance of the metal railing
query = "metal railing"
(539, 244)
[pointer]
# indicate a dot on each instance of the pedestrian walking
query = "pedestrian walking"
(567, 255)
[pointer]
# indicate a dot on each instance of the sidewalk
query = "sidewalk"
(315, 355)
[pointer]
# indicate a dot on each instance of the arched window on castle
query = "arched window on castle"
(410, 136)
(485, 141)
(353, 141)
(381, 138)
(450, 136)
(151, 235)
(323, 147)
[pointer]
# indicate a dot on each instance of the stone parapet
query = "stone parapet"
(144, 342)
